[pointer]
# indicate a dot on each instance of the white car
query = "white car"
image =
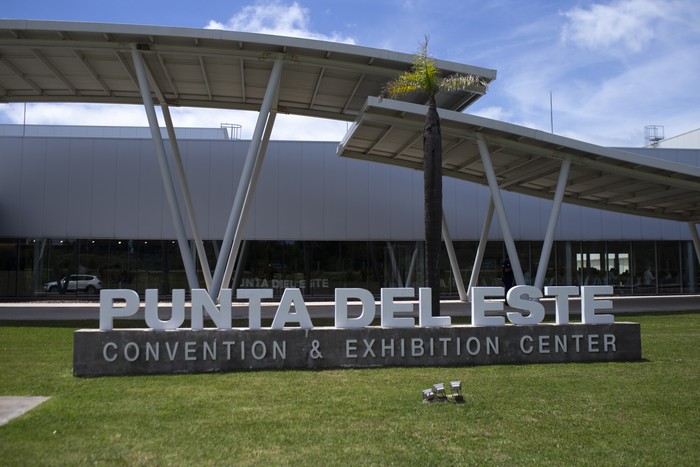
(76, 282)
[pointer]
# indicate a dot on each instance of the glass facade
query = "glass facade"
(27, 266)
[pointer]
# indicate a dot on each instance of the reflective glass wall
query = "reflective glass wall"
(36, 268)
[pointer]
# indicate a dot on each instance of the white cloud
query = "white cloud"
(617, 109)
(275, 17)
(603, 92)
(292, 127)
(287, 127)
(630, 23)
(492, 112)
(80, 114)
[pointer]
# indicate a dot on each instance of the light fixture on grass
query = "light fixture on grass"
(439, 390)
(439, 393)
(456, 388)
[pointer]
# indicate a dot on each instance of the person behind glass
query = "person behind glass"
(507, 276)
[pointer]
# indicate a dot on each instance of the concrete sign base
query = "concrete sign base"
(145, 351)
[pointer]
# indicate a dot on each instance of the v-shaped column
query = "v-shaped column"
(500, 209)
(552, 225)
(238, 235)
(480, 250)
(168, 184)
(189, 209)
(247, 183)
(696, 239)
(454, 264)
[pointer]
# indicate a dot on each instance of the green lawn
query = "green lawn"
(576, 414)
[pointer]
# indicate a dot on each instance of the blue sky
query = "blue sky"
(611, 66)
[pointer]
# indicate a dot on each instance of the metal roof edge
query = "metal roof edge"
(535, 134)
(228, 35)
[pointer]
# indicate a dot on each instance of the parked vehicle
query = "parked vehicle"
(75, 282)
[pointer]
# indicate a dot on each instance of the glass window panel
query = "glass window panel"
(670, 273)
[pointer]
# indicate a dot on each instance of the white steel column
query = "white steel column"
(412, 267)
(245, 246)
(696, 239)
(245, 181)
(481, 249)
(189, 209)
(168, 185)
(394, 264)
(500, 209)
(551, 227)
(238, 236)
(453, 260)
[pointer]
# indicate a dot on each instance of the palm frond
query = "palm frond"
(424, 76)
(404, 84)
(424, 66)
(459, 82)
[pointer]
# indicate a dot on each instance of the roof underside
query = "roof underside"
(44, 61)
(528, 161)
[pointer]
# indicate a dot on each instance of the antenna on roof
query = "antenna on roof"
(653, 134)
(551, 113)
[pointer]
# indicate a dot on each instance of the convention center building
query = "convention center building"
(84, 208)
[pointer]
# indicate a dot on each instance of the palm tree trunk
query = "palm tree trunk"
(432, 169)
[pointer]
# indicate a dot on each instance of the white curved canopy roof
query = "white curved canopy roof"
(47, 61)
(528, 161)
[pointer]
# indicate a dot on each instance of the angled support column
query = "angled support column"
(412, 267)
(453, 259)
(246, 181)
(238, 236)
(394, 264)
(245, 247)
(551, 227)
(168, 185)
(500, 209)
(696, 239)
(189, 209)
(481, 249)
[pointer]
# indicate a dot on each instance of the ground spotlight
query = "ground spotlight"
(439, 390)
(456, 388)
(439, 393)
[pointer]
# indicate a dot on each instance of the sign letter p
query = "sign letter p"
(108, 310)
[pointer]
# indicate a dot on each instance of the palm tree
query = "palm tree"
(424, 77)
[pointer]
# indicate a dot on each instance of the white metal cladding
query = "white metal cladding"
(47, 61)
(103, 187)
(528, 161)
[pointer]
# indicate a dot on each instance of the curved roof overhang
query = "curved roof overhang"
(528, 161)
(47, 61)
